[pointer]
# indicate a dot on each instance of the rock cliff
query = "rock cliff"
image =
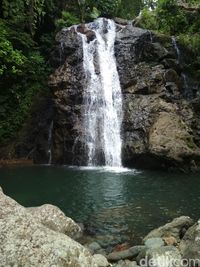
(160, 126)
(161, 120)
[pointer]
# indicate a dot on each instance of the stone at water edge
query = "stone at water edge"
(126, 263)
(175, 228)
(100, 260)
(167, 256)
(190, 244)
(170, 241)
(125, 254)
(93, 247)
(121, 247)
(156, 242)
(24, 241)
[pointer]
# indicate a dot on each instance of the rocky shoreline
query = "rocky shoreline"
(44, 236)
(15, 162)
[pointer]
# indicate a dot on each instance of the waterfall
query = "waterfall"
(176, 48)
(186, 87)
(102, 98)
(50, 143)
(150, 36)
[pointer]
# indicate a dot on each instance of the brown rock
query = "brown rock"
(121, 247)
(170, 241)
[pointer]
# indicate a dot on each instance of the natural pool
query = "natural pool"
(116, 205)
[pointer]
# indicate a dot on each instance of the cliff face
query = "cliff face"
(161, 125)
(161, 120)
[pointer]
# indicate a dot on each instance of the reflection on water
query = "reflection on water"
(118, 205)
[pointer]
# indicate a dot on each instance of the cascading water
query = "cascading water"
(176, 48)
(186, 88)
(50, 143)
(103, 100)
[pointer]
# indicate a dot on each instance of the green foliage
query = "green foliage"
(95, 13)
(107, 8)
(23, 70)
(129, 9)
(25, 14)
(90, 9)
(170, 18)
(16, 99)
(66, 20)
(13, 113)
(148, 19)
(191, 41)
(12, 60)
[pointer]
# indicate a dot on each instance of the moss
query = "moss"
(190, 142)
(164, 39)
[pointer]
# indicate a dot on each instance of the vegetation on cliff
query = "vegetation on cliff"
(27, 30)
(178, 18)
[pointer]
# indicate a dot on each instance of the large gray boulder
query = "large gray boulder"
(53, 218)
(25, 241)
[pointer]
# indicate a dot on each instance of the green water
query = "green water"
(117, 206)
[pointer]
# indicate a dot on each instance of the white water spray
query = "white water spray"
(103, 100)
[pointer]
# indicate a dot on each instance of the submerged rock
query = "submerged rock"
(100, 260)
(95, 248)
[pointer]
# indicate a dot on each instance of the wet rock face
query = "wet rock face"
(159, 126)
(67, 83)
(158, 129)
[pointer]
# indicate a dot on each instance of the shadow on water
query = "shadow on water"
(118, 205)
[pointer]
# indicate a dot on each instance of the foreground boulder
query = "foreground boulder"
(190, 245)
(53, 218)
(176, 228)
(25, 241)
(167, 256)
